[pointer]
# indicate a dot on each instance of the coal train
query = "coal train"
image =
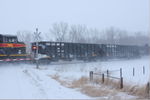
(11, 50)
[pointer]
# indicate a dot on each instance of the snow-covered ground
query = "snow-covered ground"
(127, 66)
(26, 82)
(82, 69)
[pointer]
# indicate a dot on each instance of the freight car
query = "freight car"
(67, 51)
(54, 51)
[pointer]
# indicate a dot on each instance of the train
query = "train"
(11, 50)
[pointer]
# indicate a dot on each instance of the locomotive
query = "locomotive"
(11, 49)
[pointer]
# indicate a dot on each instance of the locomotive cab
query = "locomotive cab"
(8, 39)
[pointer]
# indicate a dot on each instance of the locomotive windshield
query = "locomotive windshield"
(8, 39)
(1, 39)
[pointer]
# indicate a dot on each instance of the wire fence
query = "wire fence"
(107, 74)
(110, 74)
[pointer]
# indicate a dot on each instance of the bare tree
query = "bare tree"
(111, 35)
(27, 38)
(59, 30)
(78, 33)
(48, 36)
(122, 37)
(141, 39)
(96, 36)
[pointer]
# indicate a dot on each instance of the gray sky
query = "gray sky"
(131, 15)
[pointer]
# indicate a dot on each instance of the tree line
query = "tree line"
(63, 32)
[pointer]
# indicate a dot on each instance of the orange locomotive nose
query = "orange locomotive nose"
(10, 45)
(15, 45)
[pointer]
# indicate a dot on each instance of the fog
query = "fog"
(130, 15)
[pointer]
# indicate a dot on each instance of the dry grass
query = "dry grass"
(55, 76)
(94, 91)
(62, 82)
(136, 90)
(108, 82)
(79, 83)
(90, 89)
(110, 88)
(83, 85)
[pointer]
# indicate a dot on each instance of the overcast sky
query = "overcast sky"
(131, 15)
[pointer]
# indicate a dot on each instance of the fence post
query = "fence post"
(120, 72)
(133, 71)
(91, 75)
(143, 70)
(103, 78)
(121, 79)
(148, 89)
(121, 82)
(107, 73)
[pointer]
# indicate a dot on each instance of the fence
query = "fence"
(143, 71)
(107, 74)
(121, 85)
(148, 83)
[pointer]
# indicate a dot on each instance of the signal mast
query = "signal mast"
(37, 37)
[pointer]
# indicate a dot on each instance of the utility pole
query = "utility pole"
(148, 84)
(37, 37)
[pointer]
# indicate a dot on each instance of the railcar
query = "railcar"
(54, 51)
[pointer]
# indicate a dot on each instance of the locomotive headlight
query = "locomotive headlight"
(34, 47)
(19, 51)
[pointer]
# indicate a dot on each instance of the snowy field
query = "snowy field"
(26, 82)
(77, 70)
